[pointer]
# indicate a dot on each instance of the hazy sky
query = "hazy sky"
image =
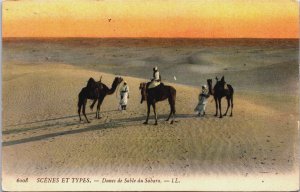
(151, 18)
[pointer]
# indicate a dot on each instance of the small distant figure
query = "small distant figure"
(124, 96)
(200, 108)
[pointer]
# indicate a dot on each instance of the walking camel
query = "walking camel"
(95, 91)
(219, 91)
(156, 94)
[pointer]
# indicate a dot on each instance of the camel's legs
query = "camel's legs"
(216, 102)
(97, 107)
(220, 107)
(148, 113)
(228, 104)
(173, 116)
(100, 101)
(231, 105)
(155, 114)
(83, 110)
(92, 105)
(79, 111)
(169, 116)
(171, 111)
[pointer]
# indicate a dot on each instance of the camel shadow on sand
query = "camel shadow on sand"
(52, 119)
(114, 123)
(51, 123)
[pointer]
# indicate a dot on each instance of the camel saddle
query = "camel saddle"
(154, 84)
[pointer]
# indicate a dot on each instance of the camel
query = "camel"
(95, 91)
(156, 94)
(219, 92)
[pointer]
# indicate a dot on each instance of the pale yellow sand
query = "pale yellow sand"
(42, 137)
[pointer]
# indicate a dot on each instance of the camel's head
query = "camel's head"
(143, 91)
(209, 83)
(118, 80)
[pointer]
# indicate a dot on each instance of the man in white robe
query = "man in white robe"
(200, 108)
(124, 95)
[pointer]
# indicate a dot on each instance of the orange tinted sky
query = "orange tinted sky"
(151, 18)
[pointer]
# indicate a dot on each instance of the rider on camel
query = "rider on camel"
(156, 80)
(156, 75)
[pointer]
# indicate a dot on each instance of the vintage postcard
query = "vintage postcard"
(140, 95)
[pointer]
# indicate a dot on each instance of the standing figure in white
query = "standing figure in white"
(124, 96)
(200, 108)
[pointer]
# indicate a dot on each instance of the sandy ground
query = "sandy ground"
(256, 149)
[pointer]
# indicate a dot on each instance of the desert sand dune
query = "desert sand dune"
(249, 64)
(42, 135)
